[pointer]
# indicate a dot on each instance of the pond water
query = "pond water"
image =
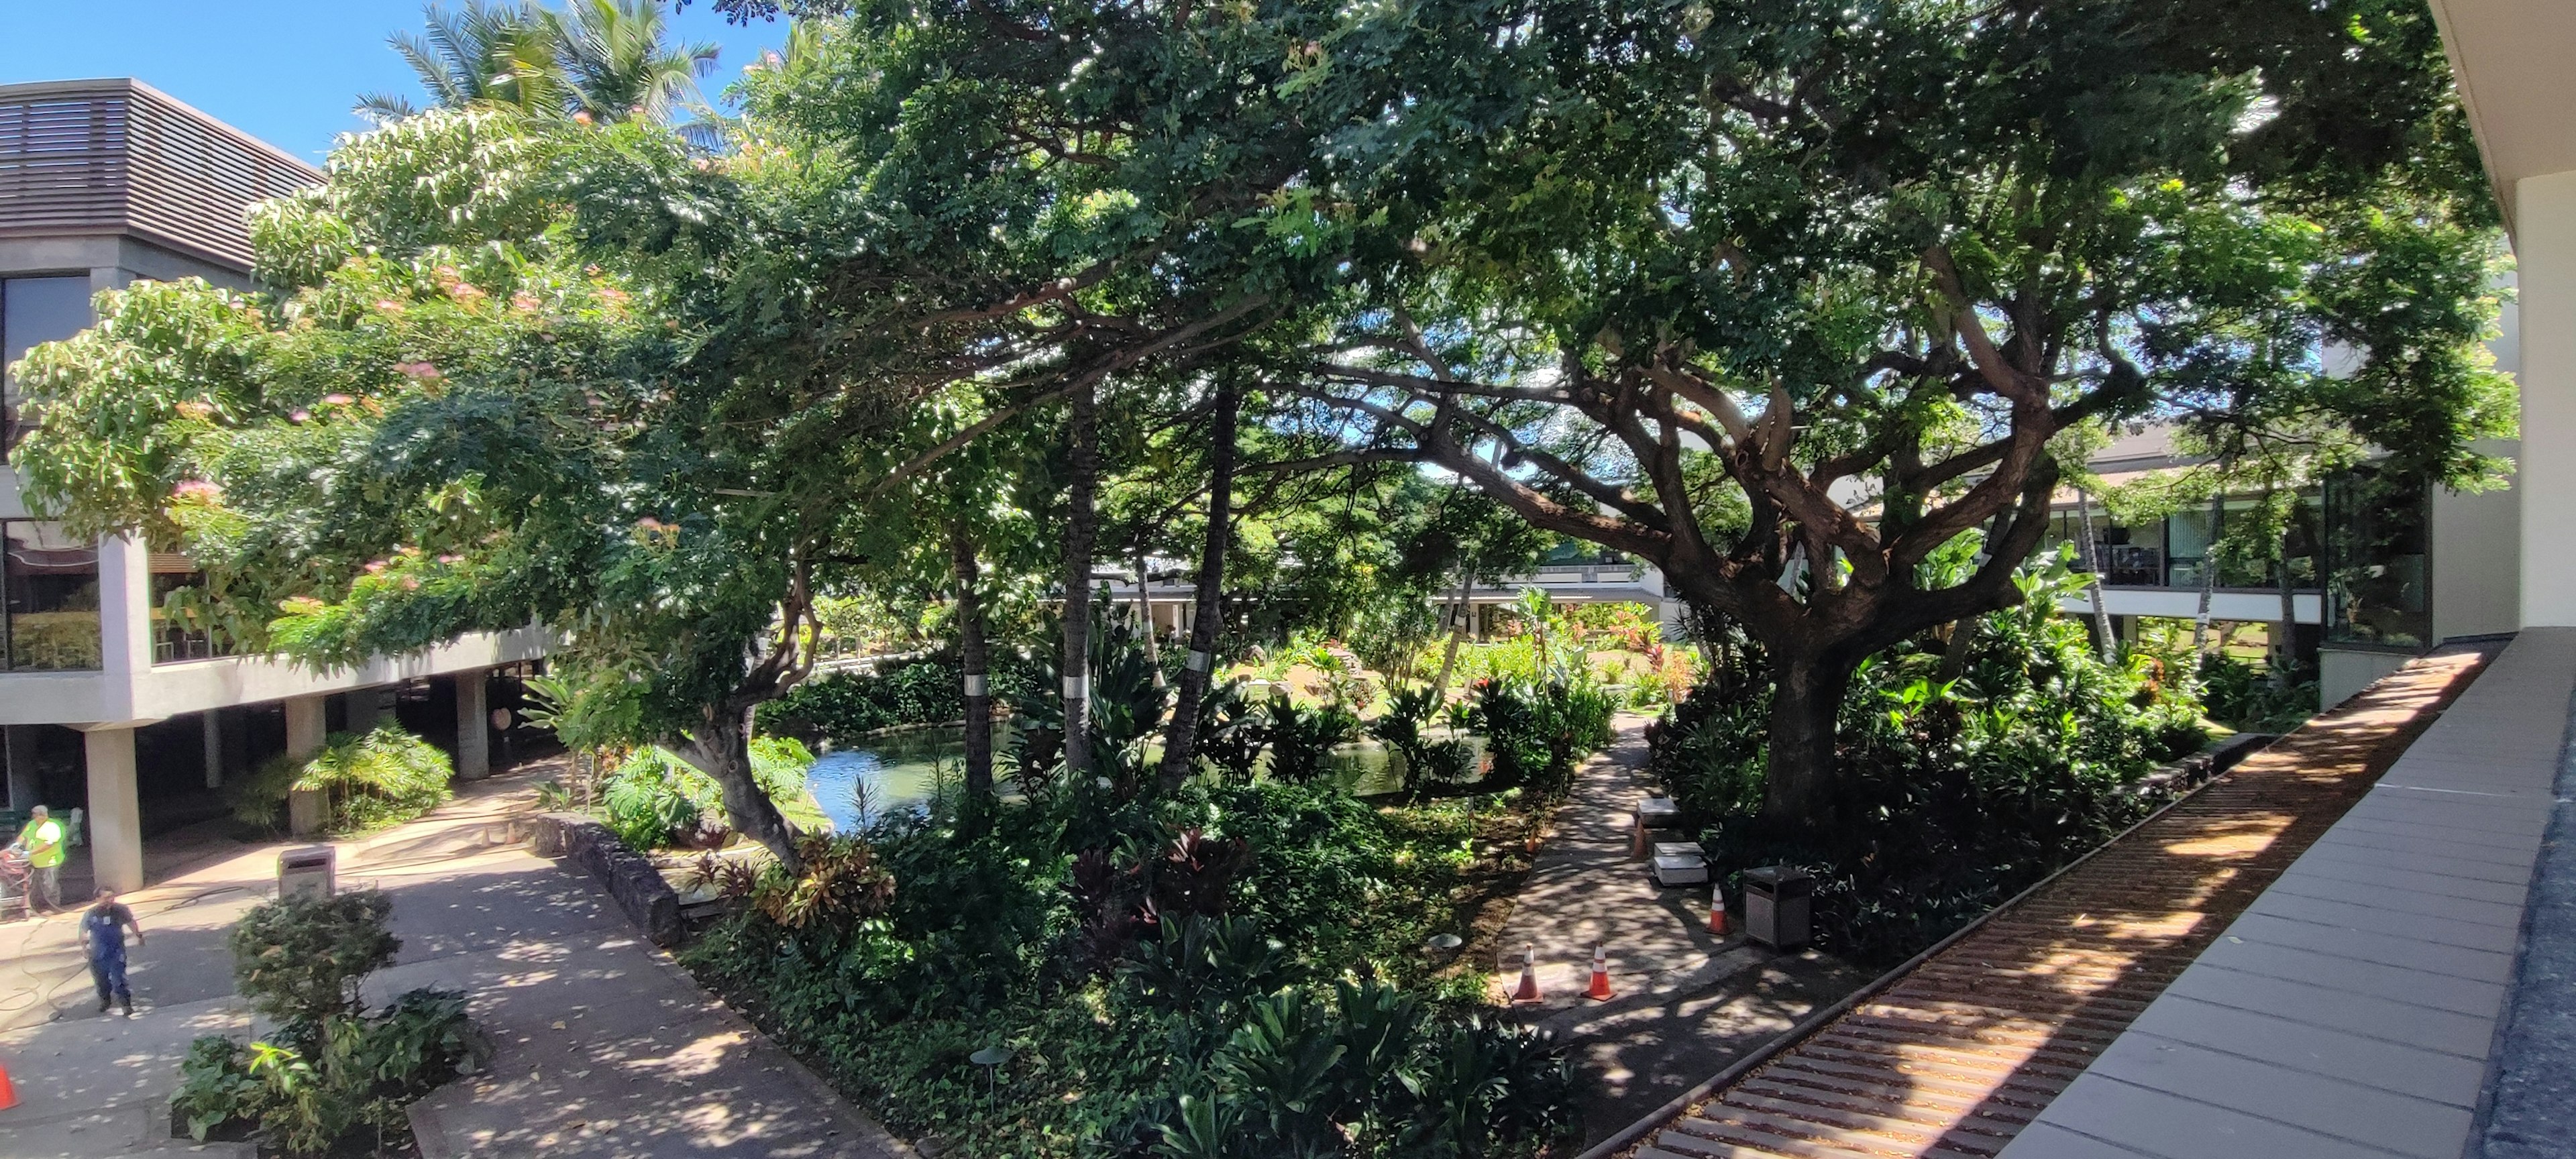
(900, 770)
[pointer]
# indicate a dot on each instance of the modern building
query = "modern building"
(107, 703)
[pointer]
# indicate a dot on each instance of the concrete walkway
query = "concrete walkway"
(1688, 1002)
(603, 1048)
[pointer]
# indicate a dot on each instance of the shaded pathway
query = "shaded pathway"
(1688, 1001)
(1962, 1052)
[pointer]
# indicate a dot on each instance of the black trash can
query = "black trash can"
(1776, 900)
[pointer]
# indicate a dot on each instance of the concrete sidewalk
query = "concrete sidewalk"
(1688, 1002)
(603, 1048)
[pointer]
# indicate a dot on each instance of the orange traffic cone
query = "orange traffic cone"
(1717, 909)
(1527, 991)
(8, 1093)
(1600, 991)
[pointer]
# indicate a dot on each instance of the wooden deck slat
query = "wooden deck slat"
(1956, 1057)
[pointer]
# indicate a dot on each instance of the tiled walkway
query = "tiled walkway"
(1959, 1055)
(2352, 1009)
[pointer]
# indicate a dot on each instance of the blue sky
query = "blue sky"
(285, 71)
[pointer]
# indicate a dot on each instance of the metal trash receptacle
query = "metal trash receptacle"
(1776, 901)
(312, 870)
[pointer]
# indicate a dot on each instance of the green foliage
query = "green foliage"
(1408, 712)
(2246, 698)
(1961, 793)
(655, 800)
(316, 1093)
(1032, 932)
(842, 708)
(373, 780)
(332, 1068)
(1537, 732)
(299, 960)
(1300, 738)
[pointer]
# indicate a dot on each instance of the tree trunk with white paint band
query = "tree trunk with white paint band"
(1180, 741)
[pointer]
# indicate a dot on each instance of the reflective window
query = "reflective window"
(51, 581)
(2378, 561)
(34, 311)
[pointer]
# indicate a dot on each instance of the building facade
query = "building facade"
(108, 703)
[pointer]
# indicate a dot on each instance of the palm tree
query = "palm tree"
(489, 52)
(616, 64)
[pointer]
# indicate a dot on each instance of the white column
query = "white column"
(213, 723)
(473, 735)
(306, 812)
(115, 816)
(124, 618)
(2545, 260)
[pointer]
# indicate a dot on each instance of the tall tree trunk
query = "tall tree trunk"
(721, 748)
(1800, 780)
(2091, 552)
(1457, 631)
(975, 658)
(1081, 525)
(2208, 576)
(2285, 637)
(1180, 745)
(1145, 613)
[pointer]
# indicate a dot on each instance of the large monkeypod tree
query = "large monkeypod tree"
(1786, 297)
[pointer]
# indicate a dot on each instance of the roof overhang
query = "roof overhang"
(2515, 64)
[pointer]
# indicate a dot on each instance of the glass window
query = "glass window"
(34, 311)
(52, 586)
(2378, 566)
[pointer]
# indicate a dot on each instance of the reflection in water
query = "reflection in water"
(900, 770)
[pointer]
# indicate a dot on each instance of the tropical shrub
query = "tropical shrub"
(372, 780)
(1537, 732)
(655, 800)
(1957, 793)
(1124, 948)
(300, 959)
(841, 708)
(2244, 697)
(332, 1070)
(1299, 739)
(1400, 728)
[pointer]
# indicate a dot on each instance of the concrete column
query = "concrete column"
(306, 812)
(212, 720)
(115, 817)
(473, 730)
(124, 617)
(2545, 262)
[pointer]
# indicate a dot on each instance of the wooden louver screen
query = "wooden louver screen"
(117, 157)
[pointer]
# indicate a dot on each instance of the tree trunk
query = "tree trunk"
(1081, 525)
(2090, 551)
(976, 661)
(2285, 638)
(722, 750)
(1145, 613)
(2208, 576)
(1458, 613)
(1180, 745)
(1801, 779)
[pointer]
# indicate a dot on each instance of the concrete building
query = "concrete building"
(107, 704)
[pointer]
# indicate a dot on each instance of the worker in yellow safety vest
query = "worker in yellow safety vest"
(43, 841)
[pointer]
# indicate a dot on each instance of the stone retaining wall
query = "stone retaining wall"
(629, 877)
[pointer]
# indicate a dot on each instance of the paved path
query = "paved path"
(1688, 1002)
(603, 1047)
(1960, 1054)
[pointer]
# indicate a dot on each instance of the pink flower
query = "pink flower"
(524, 300)
(581, 118)
(375, 567)
(451, 559)
(423, 371)
(197, 489)
(389, 306)
(337, 400)
(299, 416)
(411, 583)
